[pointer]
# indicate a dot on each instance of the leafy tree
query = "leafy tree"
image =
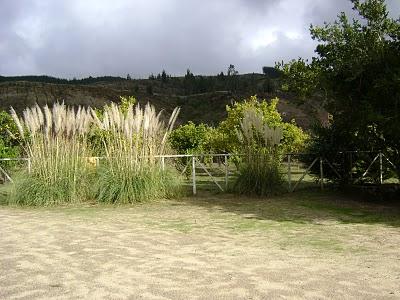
(189, 74)
(126, 102)
(293, 136)
(271, 72)
(9, 137)
(232, 71)
(300, 77)
(189, 82)
(189, 138)
(164, 76)
(233, 80)
(357, 69)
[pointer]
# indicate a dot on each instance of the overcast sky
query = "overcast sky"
(78, 38)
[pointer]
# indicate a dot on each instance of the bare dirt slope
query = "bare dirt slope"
(302, 246)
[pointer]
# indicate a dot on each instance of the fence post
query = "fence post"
(194, 174)
(29, 165)
(226, 172)
(162, 163)
(289, 173)
(351, 167)
(380, 168)
(321, 171)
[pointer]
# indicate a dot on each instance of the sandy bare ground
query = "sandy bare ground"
(216, 247)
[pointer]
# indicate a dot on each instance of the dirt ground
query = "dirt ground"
(304, 245)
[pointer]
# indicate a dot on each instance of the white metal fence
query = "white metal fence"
(220, 169)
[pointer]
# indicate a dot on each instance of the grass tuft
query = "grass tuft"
(132, 139)
(136, 185)
(260, 172)
(54, 141)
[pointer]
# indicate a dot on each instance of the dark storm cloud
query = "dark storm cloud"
(93, 37)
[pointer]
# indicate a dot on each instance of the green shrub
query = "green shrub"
(9, 137)
(189, 138)
(294, 139)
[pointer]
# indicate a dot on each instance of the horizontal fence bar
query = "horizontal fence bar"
(14, 159)
(196, 155)
(201, 155)
(356, 151)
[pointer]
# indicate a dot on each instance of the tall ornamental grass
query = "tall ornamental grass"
(260, 171)
(56, 145)
(133, 137)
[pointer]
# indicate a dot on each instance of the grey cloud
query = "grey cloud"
(82, 38)
(394, 8)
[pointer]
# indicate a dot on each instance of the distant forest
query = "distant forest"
(268, 71)
(188, 84)
(50, 79)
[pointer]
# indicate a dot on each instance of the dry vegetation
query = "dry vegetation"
(205, 107)
(260, 172)
(132, 139)
(56, 142)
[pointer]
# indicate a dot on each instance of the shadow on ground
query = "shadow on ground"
(310, 206)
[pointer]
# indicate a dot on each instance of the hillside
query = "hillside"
(202, 98)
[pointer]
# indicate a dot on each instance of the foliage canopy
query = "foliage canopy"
(293, 136)
(357, 70)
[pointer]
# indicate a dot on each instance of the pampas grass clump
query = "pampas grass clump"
(133, 138)
(55, 143)
(260, 171)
